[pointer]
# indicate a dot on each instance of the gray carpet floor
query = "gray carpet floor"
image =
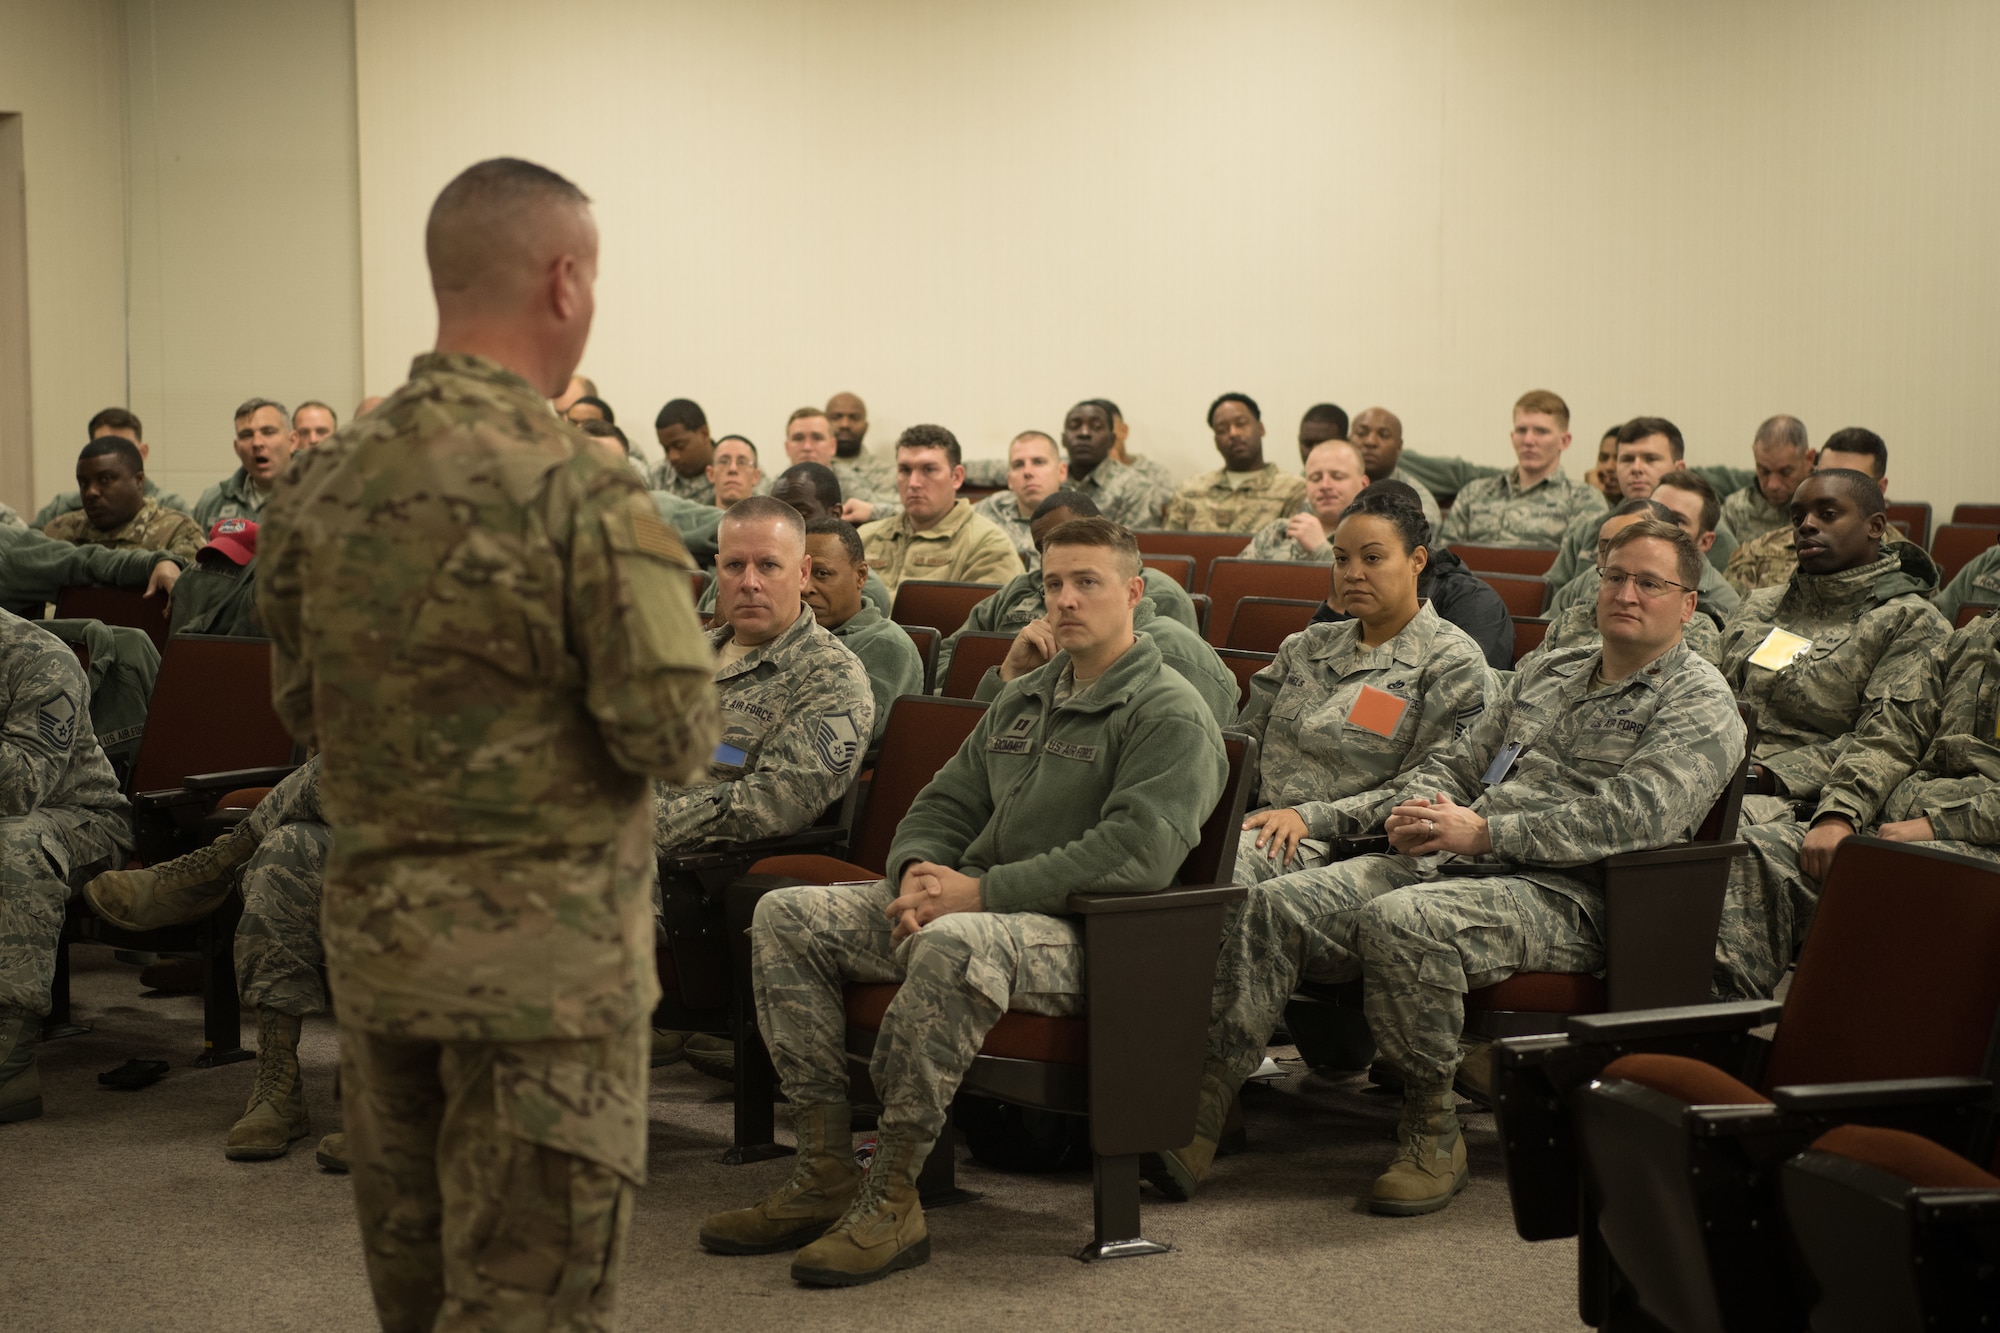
(120, 1213)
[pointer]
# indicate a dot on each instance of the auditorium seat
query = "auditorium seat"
(1684, 1115)
(1529, 631)
(1204, 548)
(975, 651)
(938, 603)
(116, 606)
(1957, 543)
(1524, 594)
(926, 641)
(1231, 579)
(1916, 513)
(1528, 560)
(1982, 515)
(1244, 663)
(1179, 568)
(1262, 624)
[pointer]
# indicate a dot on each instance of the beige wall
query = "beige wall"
(978, 213)
(61, 70)
(245, 252)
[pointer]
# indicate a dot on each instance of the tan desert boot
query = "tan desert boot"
(1178, 1172)
(332, 1153)
(823, 1184)
(883, 1232)
(184, 889)
(20, 1076)
(1430, 1167)
(276, 1114)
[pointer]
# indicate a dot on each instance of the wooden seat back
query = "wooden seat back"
(1231, 579)
(1261, 624)
(211, 712)
(116, 606)
(942, 605)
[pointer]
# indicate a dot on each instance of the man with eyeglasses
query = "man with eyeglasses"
(1592, 751)
(732, 470)
(1825, 655)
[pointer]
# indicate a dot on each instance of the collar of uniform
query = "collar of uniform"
(129, 527)
(473, 367)
(1652, 676)
(946, 528)
(1100, 476)
(1407, 649)
(1848, 587)
(1139, 664)
(861, 619)
(1511, 480)
(1224, 479)
(763, 652)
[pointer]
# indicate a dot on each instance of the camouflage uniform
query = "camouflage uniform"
(797, 714)
(1575, 626)
(698, 488)
(1608, 768)
(1181, 649)
(61, 817)
(278, 949)
(34, 569)
(10, 517)
(866, 477)
(1320, 762)
(124, 667)
(1021, 599)
(1432, 515)
(1122, 493)
(960, 548)
(72, 500)
(1055, 792)
(1978, 581)
(1224, 501)
(1933, 756)
(219, 597)
(1715, 601)
(695, 524)
(1446, 476)
(1749, 515)
(1770, 560)
(1494, 511)
(1003, 511)
(891, 660)
(1156, 478)
(1872, 634)
(235, 496)
(1272, 542)
(153, 528)
(486, 764)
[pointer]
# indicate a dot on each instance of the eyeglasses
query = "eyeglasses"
(1650, 588)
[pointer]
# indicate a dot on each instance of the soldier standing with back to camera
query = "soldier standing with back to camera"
(481, 621)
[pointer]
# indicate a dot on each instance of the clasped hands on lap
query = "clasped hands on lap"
(928, 891)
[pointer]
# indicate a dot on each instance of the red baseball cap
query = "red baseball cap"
(235, 538)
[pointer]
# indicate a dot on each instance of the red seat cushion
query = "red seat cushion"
(1925, 1164)
(813, 868)
(243, 798)
(1052, 1041)
(1541, 993)
(1695, 1082)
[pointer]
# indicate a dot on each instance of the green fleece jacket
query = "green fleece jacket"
(1105, 791)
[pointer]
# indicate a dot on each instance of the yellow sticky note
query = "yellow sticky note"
(1779, 650)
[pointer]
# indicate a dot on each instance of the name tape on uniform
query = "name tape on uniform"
(1377, 710)
(1779, 650)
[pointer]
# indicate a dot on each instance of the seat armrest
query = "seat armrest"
(1687, 851)
(1103, 904)
(231, 779)
(748, 853)
(170, 798)
(1819, 1099)
(1680, 1020)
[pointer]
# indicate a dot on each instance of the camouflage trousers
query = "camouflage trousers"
(1254, 866)
(278, 950)
(494, 1180)
(44, 857)
(1769, 907)
(958, 975)
(1418, 941)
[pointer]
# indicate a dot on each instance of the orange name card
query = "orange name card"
(1378, 710)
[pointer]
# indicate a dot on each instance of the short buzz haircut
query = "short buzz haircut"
(314, 402)
(1639, 428)
(1249, 403)
(1110, 408)
(1688, 558)
(1075, 503)
(754, 508)
(115, 418)
(1711, 504)
(850, 540)
(476, 229)
(117, 445)
(822, 480)
(930, 437)
(1789, 432)
(253, 406)
(801, 413)
(1650, 508)
(1101, 532)
(1858, 440)
(683, 412)
(1041, 435)
(605, 430)
(1324, 412)
(597, 403)
(1546, 403)
(743, 440)
(1860, 487)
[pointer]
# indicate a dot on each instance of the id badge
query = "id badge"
(726, 753)
(1779, 650)
(1503, 763)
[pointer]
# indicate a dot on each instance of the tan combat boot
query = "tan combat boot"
(1430, 1167)
(1178, 1172)
(332, 1153)
(20, 1077)
(276, 1114)
(711, 1055)
(883, 1232)
(823, 1184)
(186, 888)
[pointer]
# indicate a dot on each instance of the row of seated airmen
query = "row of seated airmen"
(1096, 762)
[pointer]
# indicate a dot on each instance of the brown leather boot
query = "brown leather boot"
(186, 888)
(276, 1114)
(20, 1077)
(823, 1184)
(1178, 1172)
(1430, 1167)
(883, 1232)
